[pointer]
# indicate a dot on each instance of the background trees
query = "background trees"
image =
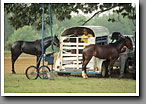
(23, 21)
(22, 14)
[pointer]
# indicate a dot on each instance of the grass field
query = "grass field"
(63, 84)
(18, 83)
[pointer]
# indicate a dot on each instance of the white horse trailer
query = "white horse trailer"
(71, 62)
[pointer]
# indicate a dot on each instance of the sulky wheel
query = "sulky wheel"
(32, 72)
(44, 70)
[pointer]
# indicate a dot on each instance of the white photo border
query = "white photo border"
(70, 94)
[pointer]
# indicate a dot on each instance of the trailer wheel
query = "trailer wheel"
(32, 72)
(104, 71)
(46, 71)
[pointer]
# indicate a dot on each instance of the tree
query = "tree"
(22, 14)
(122, 25)
(29, 33)
(26, 33)
(124, 9)
(8, 29)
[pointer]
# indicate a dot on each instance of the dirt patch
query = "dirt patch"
(21, 64)
(24, 61)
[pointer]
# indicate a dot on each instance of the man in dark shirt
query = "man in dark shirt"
(72, 39)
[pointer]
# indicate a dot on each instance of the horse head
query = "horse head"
(128, 43)
(116, 36)
(56, 41)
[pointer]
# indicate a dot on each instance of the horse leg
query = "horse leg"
(38, 61)
(85, 62)
(110, 67)
(84, 75)
(14, 57)
(109, 70)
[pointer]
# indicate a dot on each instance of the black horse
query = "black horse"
(32, 48)
(115, 36)
(108, 52)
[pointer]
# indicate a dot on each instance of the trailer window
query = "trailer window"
(101, 40)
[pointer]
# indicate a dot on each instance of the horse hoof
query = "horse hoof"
(13, 72)
(85, 77)
(121, 76)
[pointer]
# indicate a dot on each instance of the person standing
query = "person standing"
(73, 40)
(85, 36)
(123, 59)
(123, 55)
(75, 34)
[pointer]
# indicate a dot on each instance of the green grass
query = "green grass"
(7, 52)
(20, 84)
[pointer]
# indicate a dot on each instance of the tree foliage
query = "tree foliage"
(122, 25)
(27, 33)
(22, 14)
(8, 29)
(26, 18)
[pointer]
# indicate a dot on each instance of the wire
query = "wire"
(51, 36)
(42, 38)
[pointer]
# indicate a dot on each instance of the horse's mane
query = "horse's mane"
(46, 38)
(128, 38)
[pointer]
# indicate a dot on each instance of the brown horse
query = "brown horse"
(109, 52)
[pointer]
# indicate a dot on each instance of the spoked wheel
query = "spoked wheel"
(32, 72)
(44, 70)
